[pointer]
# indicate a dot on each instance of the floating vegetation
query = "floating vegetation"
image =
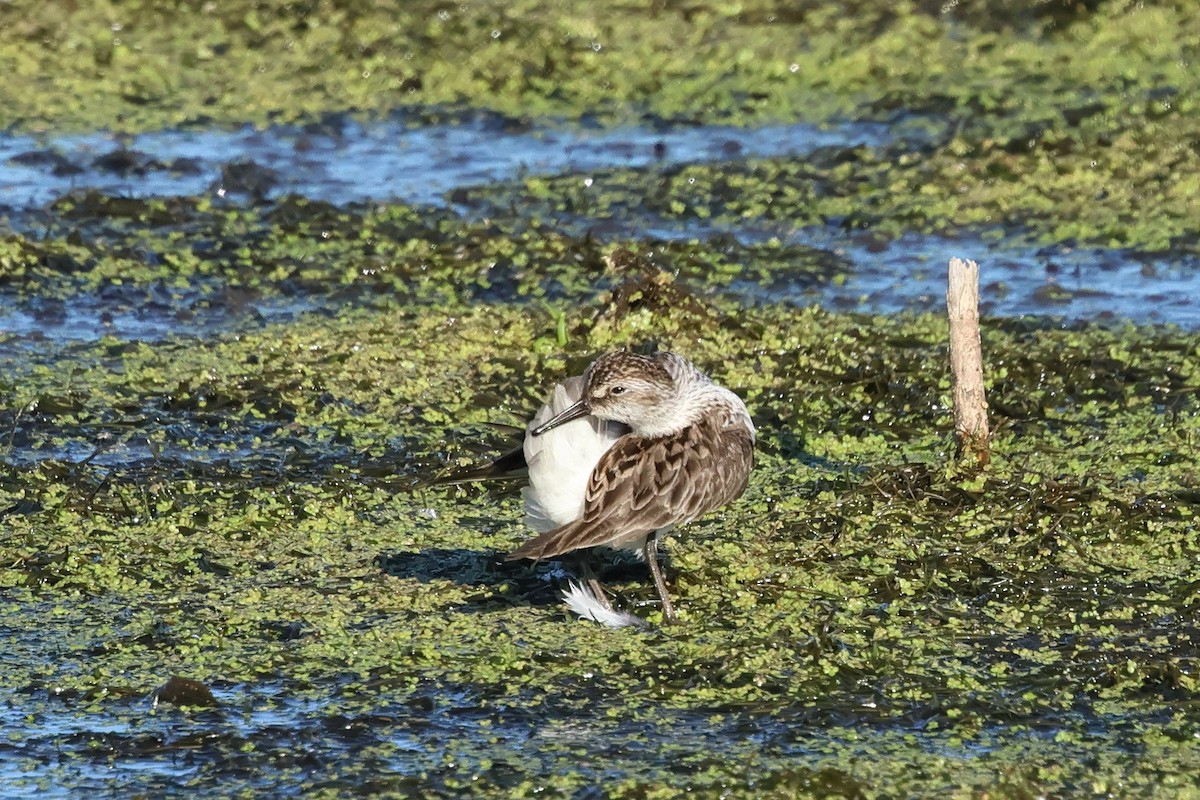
(255, 511)
(223, 560)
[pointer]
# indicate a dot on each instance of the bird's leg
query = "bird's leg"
(588, 576)
(651, 551)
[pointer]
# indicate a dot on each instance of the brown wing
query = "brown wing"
(641, 485)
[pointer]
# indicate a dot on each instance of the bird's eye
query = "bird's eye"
(617, 390)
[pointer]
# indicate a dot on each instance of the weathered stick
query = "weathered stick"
(966, 362)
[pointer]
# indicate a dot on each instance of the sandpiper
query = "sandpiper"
(635, 446)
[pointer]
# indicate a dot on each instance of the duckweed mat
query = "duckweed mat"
(254, 512)
(225, 566)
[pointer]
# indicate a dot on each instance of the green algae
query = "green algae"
(207, 256)
(860, 595)
(253, 510)
(134, 66)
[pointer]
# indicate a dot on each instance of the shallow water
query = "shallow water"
(267, 737)
(346, 161)
(137, 314)
(878, 277)
(1072, 284)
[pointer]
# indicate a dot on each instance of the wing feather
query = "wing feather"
(641, 485)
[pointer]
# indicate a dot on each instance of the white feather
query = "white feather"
(580, 600)
(561, 460)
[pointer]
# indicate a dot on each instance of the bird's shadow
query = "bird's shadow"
(502, 584)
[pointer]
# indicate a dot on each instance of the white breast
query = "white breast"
(561, 460)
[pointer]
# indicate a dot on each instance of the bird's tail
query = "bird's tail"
(549, 544)
(509, 466)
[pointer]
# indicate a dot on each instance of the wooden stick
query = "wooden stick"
(966, 363)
